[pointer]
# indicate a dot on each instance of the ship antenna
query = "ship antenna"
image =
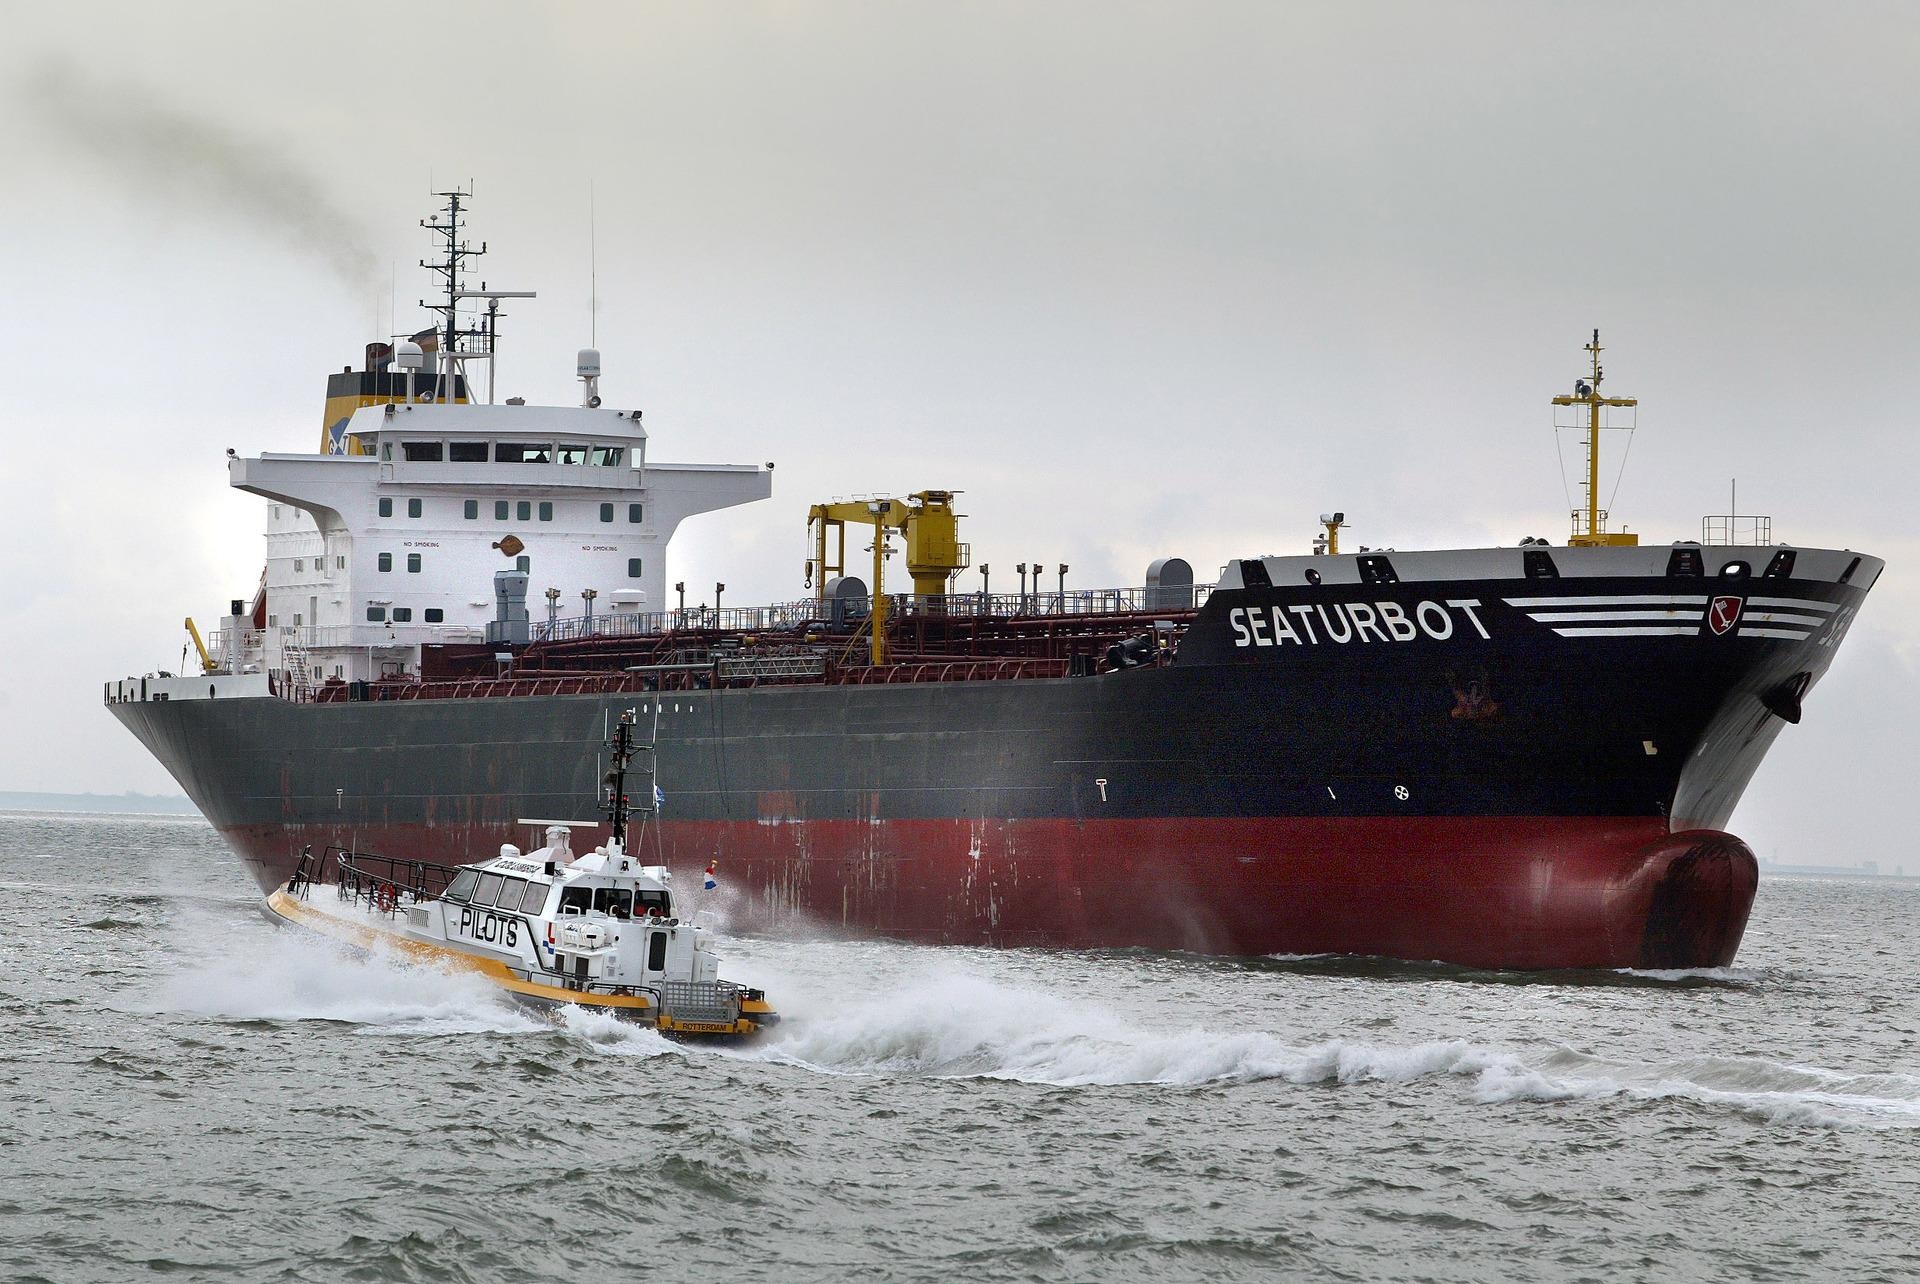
(618, 807)
(451, 269)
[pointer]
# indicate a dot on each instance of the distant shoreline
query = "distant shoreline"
(98, 804)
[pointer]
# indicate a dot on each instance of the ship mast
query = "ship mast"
(452, 356)
(1586, 392)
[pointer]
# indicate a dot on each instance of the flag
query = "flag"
(711, 881)
(659, 799)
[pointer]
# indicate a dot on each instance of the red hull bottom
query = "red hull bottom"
(1497, 892)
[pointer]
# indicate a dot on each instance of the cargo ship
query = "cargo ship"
(1515, 757)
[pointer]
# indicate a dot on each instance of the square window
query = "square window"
(633, 512)
(386, 451)
(340, 562)
(386, 561)
(523, 563)
(513, 452)
(402, 614)
(606, 512)
(421, 451)
(467, 452)
(572, 454)
(608, 456)
(413, 563)
(499, 510)
(299, 563)
(413, 508)
(434, 615)
(524, 510)
(377, 614)
(633, 568)
(473, 509)
(386, 508)
(546, 511)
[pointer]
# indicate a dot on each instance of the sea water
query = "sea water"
(188, 1090)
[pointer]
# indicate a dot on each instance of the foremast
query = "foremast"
(1589, 524)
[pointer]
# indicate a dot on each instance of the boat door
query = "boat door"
(654, 960)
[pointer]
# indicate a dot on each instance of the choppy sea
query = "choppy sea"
(188, 1091)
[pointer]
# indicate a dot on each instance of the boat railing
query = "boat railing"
(381, 881)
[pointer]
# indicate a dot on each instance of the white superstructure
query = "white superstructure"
(372, 555)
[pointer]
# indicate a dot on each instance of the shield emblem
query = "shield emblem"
(1723, 614)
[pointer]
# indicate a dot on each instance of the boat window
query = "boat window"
(636, 512)
(402, 614)
(472, 509)
(606, 512)
(413, 563)
(386, 508)
(534, 899)
(573, 454)
(435, 615)
(633, 568)
(421, 452)
(576, 900)
(516, 452)
(386, 561)
(546, 511)
(462, 885)
(617, 901)
(413, 508)
(651, 901)
(499, 510)
(467, 452)
(509, 899)
(375, 615)
(656, 951)
(609, 456)
(524, 510)
(488, 889)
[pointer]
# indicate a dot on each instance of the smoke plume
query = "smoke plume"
(198, 165)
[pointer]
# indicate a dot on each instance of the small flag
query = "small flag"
(659, 799)
(711, 882)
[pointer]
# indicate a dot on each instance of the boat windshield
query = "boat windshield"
(462, 885)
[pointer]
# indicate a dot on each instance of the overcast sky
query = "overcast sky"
(1139, 280)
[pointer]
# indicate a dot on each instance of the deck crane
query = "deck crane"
(934, 553)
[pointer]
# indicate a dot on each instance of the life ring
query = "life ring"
(384, 897)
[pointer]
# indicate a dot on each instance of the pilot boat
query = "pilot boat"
(598, 931)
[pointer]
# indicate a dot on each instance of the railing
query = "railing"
(1745, 530)
(789, 616)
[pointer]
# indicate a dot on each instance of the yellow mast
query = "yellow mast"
(934, 551)
(1587, 394)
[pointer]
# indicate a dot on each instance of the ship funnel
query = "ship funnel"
(510, 622)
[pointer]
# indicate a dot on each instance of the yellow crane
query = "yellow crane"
(934, 551)
(206, 660)
(1587, 393)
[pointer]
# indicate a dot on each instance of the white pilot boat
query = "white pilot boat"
(598, 931)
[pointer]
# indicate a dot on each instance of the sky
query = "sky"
(1138, 280)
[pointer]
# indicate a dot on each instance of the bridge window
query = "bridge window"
(515, 452)
(617, 901)
(635, 512)
(376, 615)
(534, 899)
(509, 899)
(467, 452)
(633, 568)
(403, 615)
(462, 885)
(386, 562)
(386, 508)
(524, 510)
(576, 900)
(422, 452)
(472, 509)
(609, 456)
(655, 901)
(435, 615)
(606, 512)
(546, 511)
(499, 510)
(573, 454)
(413, 563)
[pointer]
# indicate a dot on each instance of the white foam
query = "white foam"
(292, 976)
